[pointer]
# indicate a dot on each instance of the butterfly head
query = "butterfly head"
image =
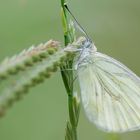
(87, 51)
(85, 44)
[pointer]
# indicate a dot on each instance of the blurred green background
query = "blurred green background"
(114, 26)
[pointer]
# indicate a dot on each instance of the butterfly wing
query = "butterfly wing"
(110, 93)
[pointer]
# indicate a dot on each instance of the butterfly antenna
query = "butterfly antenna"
(78, 24)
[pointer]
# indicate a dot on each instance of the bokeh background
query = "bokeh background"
(114, 26)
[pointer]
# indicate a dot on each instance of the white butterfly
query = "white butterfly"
(110, 91)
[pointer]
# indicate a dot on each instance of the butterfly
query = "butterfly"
(110, 91)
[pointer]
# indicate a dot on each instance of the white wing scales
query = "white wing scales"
(110, 94)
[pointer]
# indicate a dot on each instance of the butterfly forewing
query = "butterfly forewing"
(110, 93)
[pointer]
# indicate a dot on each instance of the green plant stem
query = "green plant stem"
(67, 76)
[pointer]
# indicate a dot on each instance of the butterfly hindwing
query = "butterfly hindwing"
(110, 94)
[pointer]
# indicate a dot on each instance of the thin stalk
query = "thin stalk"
(67, 76)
